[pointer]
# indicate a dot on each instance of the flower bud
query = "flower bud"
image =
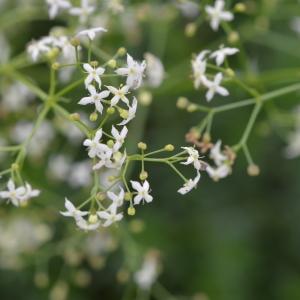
(93, 218)
(145, 98)
(229, 72)
(53, 53)
(128, 196)
(190, 29)
(74, 117)
(111, 178)
(143, 175)
(93, 116)
(15, 167)
(100, 196)
(75, 42)
(111, 110)
(55, 66)
(112, 63)
(123, 113)
(41, 279)
(121, 51)
(206, 137)
(169, 148)
(110, 143)
(240, 8)
(182, 103)
(94, 63)
(142, 146)
(233, 37)
(192, 107)
(253, 170)
(131, 211)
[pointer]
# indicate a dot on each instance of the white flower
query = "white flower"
(13, 194)
(142, 192)
(293, 148)
(199, 68)
(155, 71)
(118, 160)
(36, 48)
(29, 193)
(130, 113)
(219, 172)
(72, 211)
(217, 14)
(91, 33)
(193, 158)
(221, 54)
(189, 185)
(94, 98)
(110, 216)
(117, 200)
(214, 87)
(83, 11)
(119, 137)
(85, 225)
(93, 74)
(94, 144)
(134, 72)
(217, 155)
(105, 156)
(56, 5)
(119, 94)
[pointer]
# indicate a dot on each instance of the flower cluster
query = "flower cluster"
(199, 66)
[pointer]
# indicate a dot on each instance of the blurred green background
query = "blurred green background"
(237, 239)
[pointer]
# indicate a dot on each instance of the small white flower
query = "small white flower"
(72, 211)
(13, 194)
(134, 72)
(119, 137)
(94, 144)
(56, 5)
(217, 14)
(93, 75)
(29, 193)
(214, 87)
(219, 172)
(189, 185)
(119, 94)
(84, 11)
(222, 53)
(104, 156)
(216, 154)
(155, 71)
(199, 68)
(117, 200)
(110, 216)
(193, 158)
(118, 160)
(91, 33)
(130, 113)
(36, 49)
(85, 225)
(94, 98)
(142, 192)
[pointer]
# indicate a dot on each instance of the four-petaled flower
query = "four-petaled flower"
(142, 192)
(193, 158)
(119, 94)
(110, 216)
(214, 87)
(222, 53)
(93, 75)
(72, 211)
(56, 5)
(189, 185)
(119, 137)
(91, 33)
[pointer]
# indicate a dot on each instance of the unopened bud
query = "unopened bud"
(110, 143)
(94, 63)
(145, 98)
(93, 218)
(75, 42)
(190, 29)
(112, 63)
(121, 51)
(240, 7)
(128, 196)
(131, 211)
(75, 117)
(206, 137)
(142, 146)
(123, 113)
(93, 116)
(169, 148)
(143, 175)
(229, 72)
(111, 110)
(253, 170)
(192, 107)
(100, 196)
(182, 103)
(15, 167)
(233, 37)
(55, 66)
